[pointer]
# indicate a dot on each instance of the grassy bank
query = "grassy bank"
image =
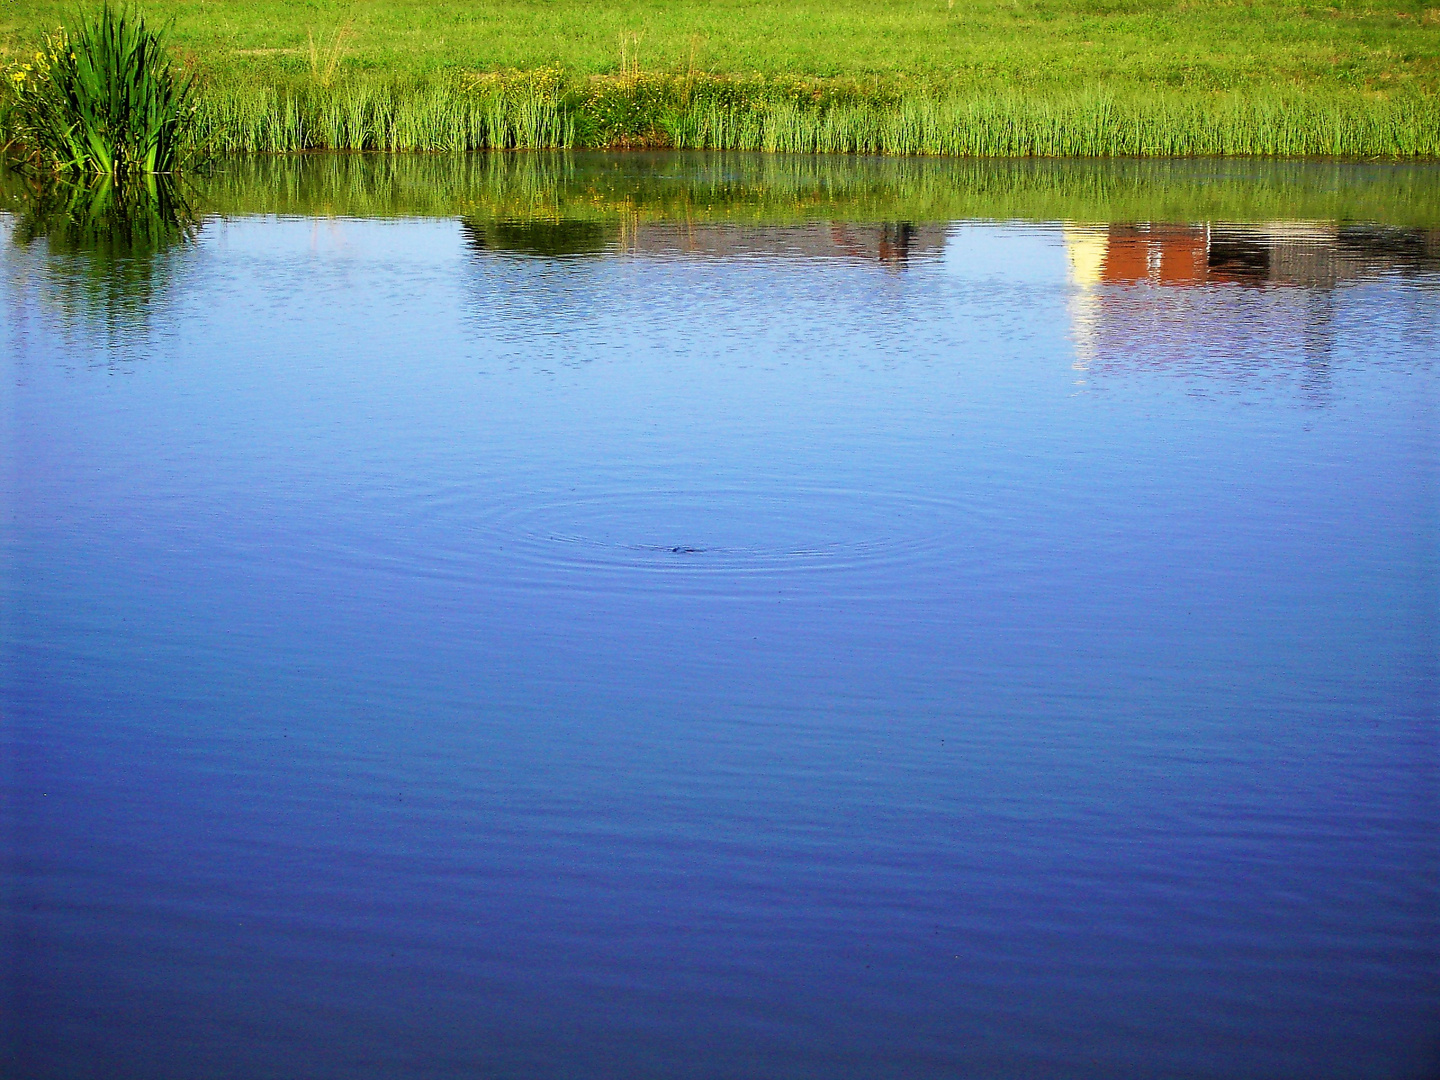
(954, 77)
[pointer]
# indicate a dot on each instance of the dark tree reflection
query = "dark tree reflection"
(547, 239)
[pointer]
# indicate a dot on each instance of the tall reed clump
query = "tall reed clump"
(103, 98)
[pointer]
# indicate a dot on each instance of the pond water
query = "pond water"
(721, 616)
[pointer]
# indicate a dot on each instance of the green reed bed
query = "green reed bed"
(529, 112)
(363, 115)
(1071, 125)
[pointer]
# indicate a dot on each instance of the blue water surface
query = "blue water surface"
(733, 653)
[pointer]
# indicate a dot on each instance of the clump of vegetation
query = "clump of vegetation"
(103, 97)
(548, 110)
(325, 55)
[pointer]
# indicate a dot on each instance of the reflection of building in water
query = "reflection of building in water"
(1313, 255)
(889, 244)
(1289, 324)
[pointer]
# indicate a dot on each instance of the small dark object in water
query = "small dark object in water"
(682, 550)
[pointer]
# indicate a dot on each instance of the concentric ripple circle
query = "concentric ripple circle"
(720, 531)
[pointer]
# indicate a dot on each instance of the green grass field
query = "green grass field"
(1075, 76)
(1009, 43)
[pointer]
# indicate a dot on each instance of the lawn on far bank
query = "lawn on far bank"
(1038, 45)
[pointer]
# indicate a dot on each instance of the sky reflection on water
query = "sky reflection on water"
(747, 641)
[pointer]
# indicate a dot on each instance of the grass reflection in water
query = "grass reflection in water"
(1356, 218)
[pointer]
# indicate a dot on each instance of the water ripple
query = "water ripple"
(717, 532)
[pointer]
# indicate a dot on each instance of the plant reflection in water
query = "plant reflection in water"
(108, 240)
